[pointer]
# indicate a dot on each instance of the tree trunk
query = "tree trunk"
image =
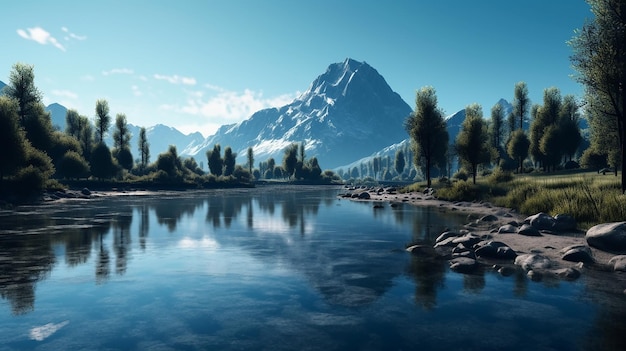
(474, 170)
(428, 183)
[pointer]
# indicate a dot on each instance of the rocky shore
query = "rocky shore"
(501, 239)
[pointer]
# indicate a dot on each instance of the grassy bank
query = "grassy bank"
(590, 197)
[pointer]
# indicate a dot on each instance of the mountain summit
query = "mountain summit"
(347, 113)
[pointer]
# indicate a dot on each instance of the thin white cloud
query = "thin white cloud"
(225, 107)
(40, 36)
(64, 94)
(118, 71)
(71, 35)
(176, 79)
(136, 90)
(88, 78)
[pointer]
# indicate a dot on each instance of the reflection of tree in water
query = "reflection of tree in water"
(474, 283)
(169, 211)
(224, 208)
(144, 225)
(429, 276)
(24, 260)
(121, 241)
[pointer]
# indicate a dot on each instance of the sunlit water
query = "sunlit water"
(272, 268)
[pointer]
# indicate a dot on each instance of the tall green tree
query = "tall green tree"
(427, 130)
(144, 148)
(12, 140)
(103, 119)
(599, 57)
(102, 165)
(121, 142)
(472, 142)
(569, 126)
(229, 161)
(496, 128)
(521, 103)
(399, 162)
(517, 148)
(22, 87)
(290, 159)
(545, 116)
(250, 159)
(214, 159)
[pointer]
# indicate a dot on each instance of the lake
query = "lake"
(271, 268)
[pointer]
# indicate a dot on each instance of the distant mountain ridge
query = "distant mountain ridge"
(346, 113)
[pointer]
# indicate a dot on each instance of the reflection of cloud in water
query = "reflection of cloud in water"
(204, 242)
(43, 332)
(275, 225)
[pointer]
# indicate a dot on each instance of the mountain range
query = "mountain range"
(347, 116)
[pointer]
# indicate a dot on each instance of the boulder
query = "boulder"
(495, 250)
(609, 237)
(618, 263)
(86, 192)
(577, 253)
(449, 242)
(463, 264)
(528, 230)
(364, 195)
(422, 250)
(461, 251)
(488, 218)
(533, 261)
(468, 240)
(564, 222)
(541, 221)
(507, 228)
(568, 273)
(446, 235)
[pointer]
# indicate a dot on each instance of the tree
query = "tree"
(214, 158)
(144, 148)
(290, 159)
(517, 147)
(399, 162)
(250, 159)
(121, 135)
(73, 165)
(599, 56)
(229, 161)
(427, 130)
(545, 116)
(376, 166)
(78, 126)
(72, 123)
(22, 88)
(102, 165)
(521, 102)
(103, 120)
(302, 155)
(12, 140)
(496, 130)
(569, 119)
(472, 142)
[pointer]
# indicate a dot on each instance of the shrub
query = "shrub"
(461, 175)
(500, 176)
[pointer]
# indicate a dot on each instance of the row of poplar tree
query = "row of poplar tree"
(503, 141)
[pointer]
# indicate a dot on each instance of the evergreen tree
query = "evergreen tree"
(569, 120)
(517, 148)
(12, 140)
(427, 130)
(472, 142)
(399, 162)
(22, 88)
(214, 158)
(121, 135)
(521, 103)
(103, 120)
(290, 159)
(229, 161)
(496, 129)
(600, 59)
(102, 165)
(250, 159)
(144, 148)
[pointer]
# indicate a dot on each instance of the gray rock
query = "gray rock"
(495, 250)
(618, 263)
(507, 228)
(541, 221)
(364, 195)
(609, 237)
(528, 230)
(506, 271)
(533, 261)
(461, 251)
(449, 242)
(422, 250)
(564, 222)
(577, 253)
(468, 240)
(534, 275)
(446, 235)
(488, 218)
(568, 273)
(463, 264)
(86, 192)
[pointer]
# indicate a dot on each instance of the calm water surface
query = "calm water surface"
(272, 268)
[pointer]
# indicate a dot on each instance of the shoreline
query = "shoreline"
(548, 244)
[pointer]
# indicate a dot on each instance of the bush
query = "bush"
(29, 181)
(460, 191)
(500, 176)
(461, 175)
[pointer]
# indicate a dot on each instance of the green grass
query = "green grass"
(590, 197)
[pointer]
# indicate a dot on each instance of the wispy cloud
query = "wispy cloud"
(69, 35)
(40, 36)
(225, 107)
(176, 79)
(118, 71)
(136, 90)
(64, 94)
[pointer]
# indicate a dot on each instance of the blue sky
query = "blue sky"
(196, 65)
